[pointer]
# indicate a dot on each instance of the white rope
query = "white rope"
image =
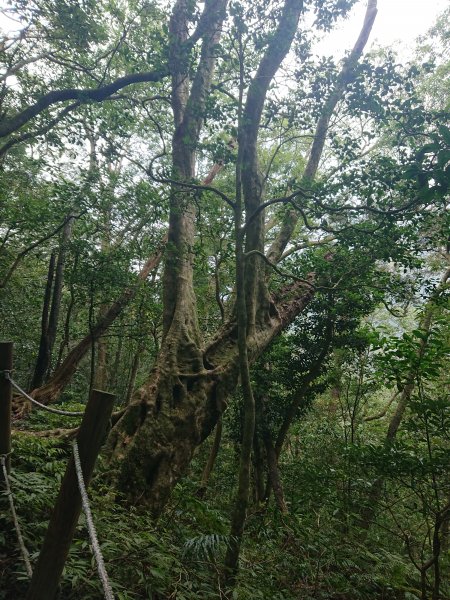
(23, 550)
(67, 413)
(90, 525)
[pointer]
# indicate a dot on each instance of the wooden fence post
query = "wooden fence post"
(6, 364)
(64, 519)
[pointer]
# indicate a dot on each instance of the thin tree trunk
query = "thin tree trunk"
(239, 513)
(66, 335)
(252, 297)
(436, 546)
(133, 374)
(446, 524)
(248, 429)
(437, 566)
(258, 465)
(43, 352)
(57, 290)
(101, 363)
(101, 376)
(274, 473)
(274, 478)
(441, 518)
(116, 364)
(201, 492)
(369, 511)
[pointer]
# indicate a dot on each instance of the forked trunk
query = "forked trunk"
(153, 443)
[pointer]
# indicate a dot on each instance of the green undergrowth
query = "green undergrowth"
(315, 552)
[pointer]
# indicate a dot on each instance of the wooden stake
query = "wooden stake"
(6, 364)
(66, 511)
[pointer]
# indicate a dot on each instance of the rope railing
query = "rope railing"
(23, 549)
(90, 525)
(56, 411)
(73, 496)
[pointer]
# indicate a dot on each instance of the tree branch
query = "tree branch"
(31, 247)
(381, 414)
(345, 77)
(22, 63)
(32, 134)
(279, 271)
(99, 94)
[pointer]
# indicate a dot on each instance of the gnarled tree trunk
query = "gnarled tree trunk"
(155, 439)
(153, 443)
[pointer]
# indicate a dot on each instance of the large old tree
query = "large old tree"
(188, 388)
(242, 72)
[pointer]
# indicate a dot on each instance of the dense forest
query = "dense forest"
(243, 240)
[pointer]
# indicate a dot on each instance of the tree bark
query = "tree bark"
(258, 466)
(100, 378)
(133, 374)
(274, 473)
(66, 334)
(116, 364)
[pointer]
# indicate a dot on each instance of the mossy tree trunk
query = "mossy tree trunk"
(152, 444)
